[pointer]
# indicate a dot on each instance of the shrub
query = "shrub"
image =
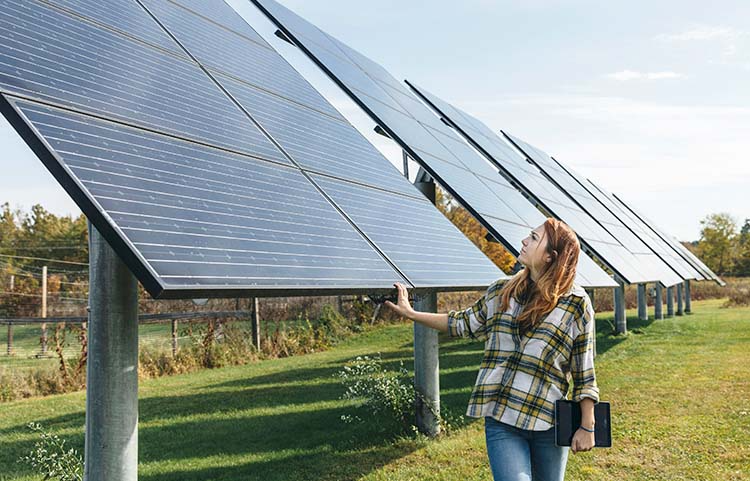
(385, 395)
(51, 459)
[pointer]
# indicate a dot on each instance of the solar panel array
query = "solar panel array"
(608, 248)
(465, 174)
(639, 228)
(674, 243)
(209, 164)
(651, 267)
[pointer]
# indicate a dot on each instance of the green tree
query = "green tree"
(717, 246)
(742, 264)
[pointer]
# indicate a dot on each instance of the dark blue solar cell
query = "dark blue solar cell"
(220, 49)
(318, 142)
(426, 246)
(199, 217)
(52, 56)
(219, 12)
(126, 16)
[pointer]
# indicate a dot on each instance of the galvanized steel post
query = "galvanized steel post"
(111, 445)
(642, 303)
(426, 354)
(658, 303)
(621, 322)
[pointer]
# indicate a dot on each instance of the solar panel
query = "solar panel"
(674, 243)
(198, 216)
(469, 178)
(55, 57)
(191, 185)
(651, 267)
(659, 246)
(548, 195)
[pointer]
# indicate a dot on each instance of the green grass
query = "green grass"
(679, 388)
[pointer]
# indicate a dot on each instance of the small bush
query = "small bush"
(51, 459)
(385, 395)
(738, 297)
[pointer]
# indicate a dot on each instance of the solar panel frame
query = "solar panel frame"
(380, 99)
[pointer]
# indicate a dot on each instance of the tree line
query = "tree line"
(724, 245)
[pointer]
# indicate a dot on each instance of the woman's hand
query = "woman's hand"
(582, 441)
(402, 307)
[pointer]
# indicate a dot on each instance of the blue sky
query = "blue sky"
(650, 99)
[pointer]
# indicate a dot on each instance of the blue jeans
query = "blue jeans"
(523, 455)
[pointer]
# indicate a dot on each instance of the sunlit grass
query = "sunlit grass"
(679, 388)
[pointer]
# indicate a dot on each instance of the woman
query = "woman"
(538, 329)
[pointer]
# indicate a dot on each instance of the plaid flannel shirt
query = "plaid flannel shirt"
(521, 376)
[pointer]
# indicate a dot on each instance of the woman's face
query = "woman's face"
(534, 251)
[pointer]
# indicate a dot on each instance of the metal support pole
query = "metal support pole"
(426, 355)
(406, 164)
(687, 297)
(670, 301)
(621, 322)
(111, 446)
(255, 322)
(680, 310)
(642, 303)
(658, 303)
(427, 369)
(590, 292)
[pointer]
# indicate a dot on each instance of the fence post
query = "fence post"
(10, 338)
(174, 337)
(255, 321)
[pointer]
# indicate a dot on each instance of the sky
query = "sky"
(651, 100)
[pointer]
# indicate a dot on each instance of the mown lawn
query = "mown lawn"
(679, 388)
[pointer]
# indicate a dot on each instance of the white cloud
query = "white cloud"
(702, 33)
(732, 43)
(625, 75)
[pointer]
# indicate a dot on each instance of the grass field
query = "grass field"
(679, 388)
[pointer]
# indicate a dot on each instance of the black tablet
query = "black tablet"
(568, 420)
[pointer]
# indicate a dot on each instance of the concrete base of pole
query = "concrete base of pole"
(111, 445)
(621, 322)
(658, 303)
(642, 303)
(680, 298)
(670, 301)
(427, 370)
(687, 297)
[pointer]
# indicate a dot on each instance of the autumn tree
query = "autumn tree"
(474, 231)
(742, 264)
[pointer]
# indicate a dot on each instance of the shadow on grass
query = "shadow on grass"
(276, 426)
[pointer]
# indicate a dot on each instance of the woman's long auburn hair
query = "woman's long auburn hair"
(540, 297)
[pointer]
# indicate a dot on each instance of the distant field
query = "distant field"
(679, 388)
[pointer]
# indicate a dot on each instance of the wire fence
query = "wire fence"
(27, 342)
